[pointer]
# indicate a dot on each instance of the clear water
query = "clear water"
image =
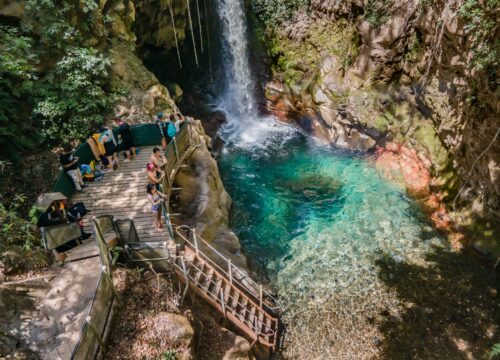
(314, 218)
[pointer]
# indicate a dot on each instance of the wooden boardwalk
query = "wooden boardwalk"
(122, 194)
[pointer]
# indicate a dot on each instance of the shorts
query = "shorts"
(110, 148)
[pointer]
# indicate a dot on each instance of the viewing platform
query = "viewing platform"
(121, 194)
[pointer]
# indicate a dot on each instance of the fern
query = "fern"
(495, 351)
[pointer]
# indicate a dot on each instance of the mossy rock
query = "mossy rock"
(427, 137)
(380, 123)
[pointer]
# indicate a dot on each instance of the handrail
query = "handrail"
(263, 294)
(269, 331)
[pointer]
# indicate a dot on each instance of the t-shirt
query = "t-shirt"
(66, 159)
(162, 127)
(124, 131)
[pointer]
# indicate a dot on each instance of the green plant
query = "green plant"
(115, 253)
(17, 77)
(71, 99)
(169, 355)
(495, 351)
(377, 12)
(15, 230)
(481, 26)
(275, 12)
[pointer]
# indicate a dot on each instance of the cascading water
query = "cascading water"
(237, 99)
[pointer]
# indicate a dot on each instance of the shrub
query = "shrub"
(377, 12)
(71, 98)
(481, 25)
(275, 12)
(17, 76)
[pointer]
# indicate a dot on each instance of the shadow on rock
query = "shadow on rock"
(452, 308)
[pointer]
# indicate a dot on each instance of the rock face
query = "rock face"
(359, 78)
(203, 201)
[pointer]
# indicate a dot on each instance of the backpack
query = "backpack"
(171, 130)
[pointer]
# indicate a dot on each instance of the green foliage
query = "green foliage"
(15, 230)
(17, 76)
(55, 92)
(71, 98)
(481, 25)
(51, 21)
(495, 351)
(275, 12)
(377, 12)
(169, 355)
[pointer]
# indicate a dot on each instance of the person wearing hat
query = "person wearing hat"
(162, 128)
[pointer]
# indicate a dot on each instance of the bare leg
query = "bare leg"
(110, 161)
(164, 143)
(155, 218)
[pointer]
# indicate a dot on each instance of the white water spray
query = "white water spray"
(238, 98)
(243, 127)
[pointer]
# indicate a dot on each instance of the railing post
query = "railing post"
(94, 330)
(195, 242)
(230, 272)
(190, 134)
(176, 151)
(260, 295)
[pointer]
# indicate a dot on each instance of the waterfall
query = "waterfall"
(244, 128)
(237, 98)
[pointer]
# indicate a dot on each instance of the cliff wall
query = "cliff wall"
(359, 74)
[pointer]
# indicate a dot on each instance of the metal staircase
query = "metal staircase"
(228, 289)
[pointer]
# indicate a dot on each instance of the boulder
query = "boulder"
(173, 330)
(241, 350)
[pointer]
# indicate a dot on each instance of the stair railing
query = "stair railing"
(245, 282)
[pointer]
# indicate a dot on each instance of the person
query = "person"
(54, 215)
(162, 128)
(107, 138)
(74, 214)
(156, 199)
(69, 162)
(153, 176)
(126, 137)
(158, 159)
(178, 121)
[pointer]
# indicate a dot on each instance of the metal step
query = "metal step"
(217, 287)
(243, 308)
(208, 278)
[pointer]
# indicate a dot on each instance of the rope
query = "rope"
(192, 33)
(175, 33)
(199, 25)
(208, 40)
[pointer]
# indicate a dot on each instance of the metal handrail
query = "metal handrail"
(269, 331)
(263, 294)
